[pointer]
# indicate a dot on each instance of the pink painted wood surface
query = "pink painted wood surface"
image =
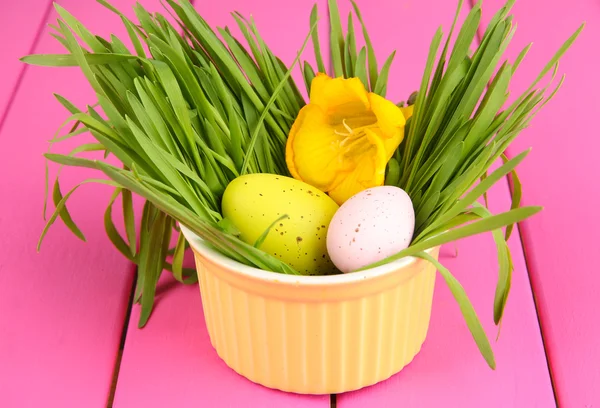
(449, 371)
(62, 310)
(561, 173)
(20, 23)
(171, 361)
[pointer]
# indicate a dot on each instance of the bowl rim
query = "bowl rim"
(216, 257)
(309, 280)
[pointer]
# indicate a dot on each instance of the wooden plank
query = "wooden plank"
(449, 371)
(62, 310)
(561, 173)
(20, 24)
(171, 361)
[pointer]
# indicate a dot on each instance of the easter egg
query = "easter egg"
(370, 226)
(254, 202)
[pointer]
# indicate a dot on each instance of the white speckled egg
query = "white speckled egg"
(369, 227)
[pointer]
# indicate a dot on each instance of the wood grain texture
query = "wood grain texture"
(20, 23)
(561, 173)
(62, 310)
(449, 370)
(171, 361)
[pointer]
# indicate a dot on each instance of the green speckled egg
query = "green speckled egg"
(253, 202)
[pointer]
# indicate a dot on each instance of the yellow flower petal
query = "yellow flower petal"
(369, 173)
(312, 144)
(339, 96)
(391, 143)
(389, 116)
(407, 111)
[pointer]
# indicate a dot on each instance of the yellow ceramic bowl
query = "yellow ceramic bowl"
(314, 334)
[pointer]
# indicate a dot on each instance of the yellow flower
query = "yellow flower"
(342, 140)
(407, 111)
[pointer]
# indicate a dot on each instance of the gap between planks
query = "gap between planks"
(124, 330)
(31, 50)
(519, 231)
(535, 303)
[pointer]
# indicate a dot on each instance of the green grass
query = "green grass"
(186, 111)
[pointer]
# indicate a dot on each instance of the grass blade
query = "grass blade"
(68, 60)
(483, 186)
(111, 230)
(516, 194)
(151, 262)
(309, 74)
(129, 220)
(467, 310)
(350, 48)
(337, 39)
(381, 85)
(265, 111)
(360, 69)
(504, 266)
(177, 262)
(64, 214)
(61, 204)
(393, 173)
(477, 227)
(373, 71)
(315, 40)
(259, 241)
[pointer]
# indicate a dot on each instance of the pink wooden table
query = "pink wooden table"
(68, 335)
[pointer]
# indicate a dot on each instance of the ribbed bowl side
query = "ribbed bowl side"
(313, 347)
